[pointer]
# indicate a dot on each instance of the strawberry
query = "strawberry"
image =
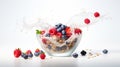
(17, 53)
(42, 32)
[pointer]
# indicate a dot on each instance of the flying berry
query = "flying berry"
(96, 14)
(86, 21)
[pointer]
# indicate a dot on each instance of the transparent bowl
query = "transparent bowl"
(55, 46)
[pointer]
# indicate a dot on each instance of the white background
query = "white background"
(104, 34)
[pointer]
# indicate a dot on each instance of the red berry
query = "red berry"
(77, 31)
(42, 56)
(28, 52)
(87, 21)
(44, 40)
(68, 30)
(42, 32)
(17, 53)
(59, 35)
(37, 50)
(68, 34)
(96, 14)
(52, 31)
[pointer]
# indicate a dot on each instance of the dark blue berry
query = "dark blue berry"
(75, 55)
(105, 51)
(58, 48)
(41, 52)
(36, 54)
(47, 35)
(67, 42)
(63, 32)
(59, 29)
(25, 56)
(83, 53)
(30, 55)
(49, 47)
(64, 47)
(63, 27)
(64, 37)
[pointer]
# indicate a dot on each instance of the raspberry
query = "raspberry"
(59, 35)
(77, 31)
(96, 14)
(52, 31)
(44, 40)
(42, 56)
(87, 21)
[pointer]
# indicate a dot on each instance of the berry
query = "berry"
(52, 31)
(44, 40)
(30, 55)
(63, 27)
(75, 55)
(68, 30)
(58, 48)
(17, 53)
(87, 21)
(49, 46)
(37, 50)
(68, 34)
(77, 31)
(25, 56)
(67, 42)
(28, 52)
(47, 35)
(63, 32)
(105, 51)
(42, 56)
(83, 53)
(96, 14)
(59, 29)
(42, 32)
(41, 52)
(64, 37)
(36, 54)
(59, 35)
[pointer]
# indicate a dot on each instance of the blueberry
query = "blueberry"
(67, 42)
(58, 48)
(75, 55)
(63, 27)
(30, 55)
(75, 40)
(22, 55)
(63, 32)
(25, 56)
(64, 47)
(59, 24)
(64, 37)
(47, 35)
(41, 52)
(105, 51)
(59, 29)
(36, 54)
(83, 52)
(49, 47)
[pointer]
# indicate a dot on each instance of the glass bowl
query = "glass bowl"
(58, 46)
